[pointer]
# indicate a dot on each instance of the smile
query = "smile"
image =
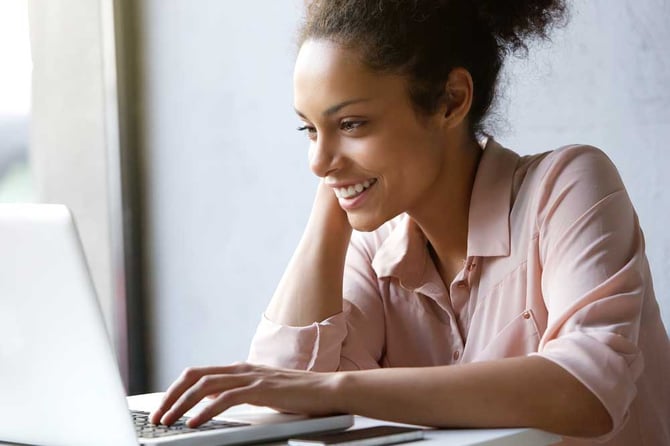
(354, 190)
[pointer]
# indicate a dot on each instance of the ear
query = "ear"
(458, 97)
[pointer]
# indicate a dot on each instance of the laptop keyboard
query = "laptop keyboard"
(144, 428)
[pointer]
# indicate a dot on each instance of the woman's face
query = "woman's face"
(366, 140)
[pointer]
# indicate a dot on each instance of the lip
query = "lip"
(349, 204)
(341, 184)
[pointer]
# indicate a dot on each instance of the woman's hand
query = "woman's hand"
(327, 211)
(285, 390)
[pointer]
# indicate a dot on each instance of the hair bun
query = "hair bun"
(514, 22)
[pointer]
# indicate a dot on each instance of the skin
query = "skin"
(362, 126)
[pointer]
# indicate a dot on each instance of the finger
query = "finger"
(223, 402)
(179, 385)
(207, 385)
(188, 377)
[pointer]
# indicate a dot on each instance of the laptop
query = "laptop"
(59, 379)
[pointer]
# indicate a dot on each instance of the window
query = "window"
(16, 182)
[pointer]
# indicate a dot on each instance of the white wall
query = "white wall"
(228, 184)
(604, 81)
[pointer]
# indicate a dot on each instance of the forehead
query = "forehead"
(327, 73)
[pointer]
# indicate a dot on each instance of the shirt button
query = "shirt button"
(461, 284)
(526, 314)
(457, 355)
(471, 266)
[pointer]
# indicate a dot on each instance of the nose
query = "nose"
(324, 156)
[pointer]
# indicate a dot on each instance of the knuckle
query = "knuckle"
(206, 381)
(233, 397)
(241, 367)
(190, 373)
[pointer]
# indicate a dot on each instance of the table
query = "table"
(478, 437)
(467, 437)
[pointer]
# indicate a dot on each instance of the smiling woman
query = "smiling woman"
(443, 279)
(375, 135)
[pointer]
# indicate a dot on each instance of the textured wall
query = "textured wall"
(603, 80)
(229, 188)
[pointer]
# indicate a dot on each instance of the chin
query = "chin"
(365, 223)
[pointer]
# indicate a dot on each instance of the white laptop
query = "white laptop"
(59, 381)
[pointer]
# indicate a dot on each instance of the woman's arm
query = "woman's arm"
(515, 392)
(327, 313)
(311, 288)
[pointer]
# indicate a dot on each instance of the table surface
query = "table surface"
(481, 437)
(466, 437)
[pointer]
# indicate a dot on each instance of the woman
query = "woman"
(479, 288)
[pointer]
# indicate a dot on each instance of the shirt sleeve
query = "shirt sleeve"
(350, 340)
(593, 280)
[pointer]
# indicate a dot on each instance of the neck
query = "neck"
(443, 216)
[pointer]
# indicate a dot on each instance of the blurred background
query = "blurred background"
(167, 126)
(15, 179)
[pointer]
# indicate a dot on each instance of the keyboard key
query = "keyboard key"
(144, 429)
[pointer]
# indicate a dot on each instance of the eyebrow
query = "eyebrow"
(337, 107)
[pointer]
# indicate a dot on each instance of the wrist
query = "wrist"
(338, 385)
(327, 208)
(327, 213)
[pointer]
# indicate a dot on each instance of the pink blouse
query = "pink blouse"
(556, 267)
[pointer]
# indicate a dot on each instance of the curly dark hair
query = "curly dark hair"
(426, 39)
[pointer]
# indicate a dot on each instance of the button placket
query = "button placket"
(470, 267)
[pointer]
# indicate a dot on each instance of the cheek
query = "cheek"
(417, 171)
(412, 160)
(400, 154)
(371, 154)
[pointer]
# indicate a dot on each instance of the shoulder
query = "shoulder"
(568, 182)
(575, 168)
(573, 162)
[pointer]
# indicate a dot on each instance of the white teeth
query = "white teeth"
(353, 190)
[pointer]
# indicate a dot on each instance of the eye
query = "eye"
(350, 126)
(310, 130)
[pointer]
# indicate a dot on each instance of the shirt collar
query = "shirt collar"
(404, 253)
(491, 202)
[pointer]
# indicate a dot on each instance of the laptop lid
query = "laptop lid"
(59, 381)
(56, 364)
